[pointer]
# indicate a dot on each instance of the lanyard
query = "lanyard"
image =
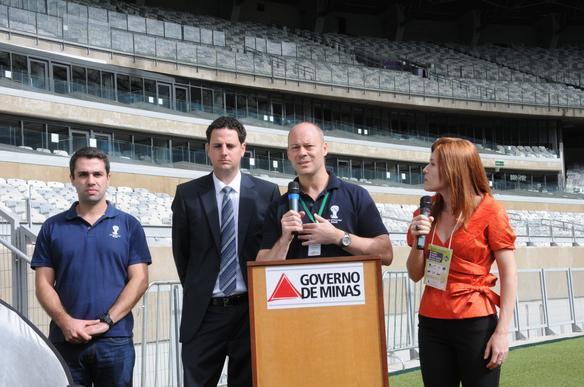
(319, 211)
(451, 234)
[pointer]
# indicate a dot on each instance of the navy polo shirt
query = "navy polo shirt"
(349, 207)
(91, 263)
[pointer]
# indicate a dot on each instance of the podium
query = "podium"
(317, 322)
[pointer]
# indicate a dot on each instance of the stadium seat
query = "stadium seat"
(60, 152)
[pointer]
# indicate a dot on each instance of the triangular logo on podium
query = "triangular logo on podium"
(284, 290)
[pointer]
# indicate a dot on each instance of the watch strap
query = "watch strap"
(105, 318)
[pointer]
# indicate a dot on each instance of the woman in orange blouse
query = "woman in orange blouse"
(461, 338)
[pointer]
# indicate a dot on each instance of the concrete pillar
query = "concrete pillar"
(470, 26)
(235, 11)
(321, 13)
(548, 30)
(400, 22)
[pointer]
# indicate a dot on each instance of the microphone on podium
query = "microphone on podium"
(425, 209)
(293, 195)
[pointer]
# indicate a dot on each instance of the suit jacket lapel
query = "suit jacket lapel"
(209, 202)
(246, 210)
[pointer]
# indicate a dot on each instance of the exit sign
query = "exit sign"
(499, 163)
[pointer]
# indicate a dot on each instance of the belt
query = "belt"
(235, 299)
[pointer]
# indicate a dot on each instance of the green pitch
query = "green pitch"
(559, 363)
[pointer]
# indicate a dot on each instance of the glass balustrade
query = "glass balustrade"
(212, 102)
(180, 157)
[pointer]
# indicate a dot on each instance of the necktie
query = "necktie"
(228, 248)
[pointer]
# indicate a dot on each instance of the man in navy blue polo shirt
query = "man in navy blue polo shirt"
(336, 218)
(91, 269)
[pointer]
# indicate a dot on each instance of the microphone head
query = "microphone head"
(426, 202)
(293, 187)
(425, 205)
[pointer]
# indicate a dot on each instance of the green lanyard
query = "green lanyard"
(319, 211)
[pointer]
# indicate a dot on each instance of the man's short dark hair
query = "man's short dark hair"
(229, 123)
(88, 153)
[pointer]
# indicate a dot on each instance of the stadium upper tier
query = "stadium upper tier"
(563, 65)
(37, 200)
(421, 69)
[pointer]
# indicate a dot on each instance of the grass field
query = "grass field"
(559, 363)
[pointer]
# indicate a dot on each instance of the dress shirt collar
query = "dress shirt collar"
(235, 184)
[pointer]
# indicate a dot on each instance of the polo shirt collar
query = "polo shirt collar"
(333, 182)
(110, 212)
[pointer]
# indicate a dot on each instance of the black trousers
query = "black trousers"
(223, 332)
(451, 352)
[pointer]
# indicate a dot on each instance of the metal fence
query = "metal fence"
(550, 302)
(544, 231)
(157, 321)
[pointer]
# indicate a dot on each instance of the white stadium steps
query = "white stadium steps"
(154, 209)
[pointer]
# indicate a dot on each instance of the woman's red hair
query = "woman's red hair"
(460, 167)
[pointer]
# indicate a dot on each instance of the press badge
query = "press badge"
(314, 250)
(437, 266)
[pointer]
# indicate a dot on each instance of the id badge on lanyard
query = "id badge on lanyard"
(437, 266)
(438, 263)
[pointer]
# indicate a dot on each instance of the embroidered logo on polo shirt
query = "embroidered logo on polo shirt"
(335, 214)
(115, 229)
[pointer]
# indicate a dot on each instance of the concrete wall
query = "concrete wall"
(509, 34)
(356, 25)
(273, 13)
(572, 35)
(440, 31)
(163, 269)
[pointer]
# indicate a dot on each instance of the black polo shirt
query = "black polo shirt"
(349, 207)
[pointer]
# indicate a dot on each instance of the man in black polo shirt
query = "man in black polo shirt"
(336, 218)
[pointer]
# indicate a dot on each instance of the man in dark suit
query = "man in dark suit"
(216, 228)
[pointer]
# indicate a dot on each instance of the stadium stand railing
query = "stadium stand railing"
(129, 35)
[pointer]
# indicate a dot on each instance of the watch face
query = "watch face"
(346, 241)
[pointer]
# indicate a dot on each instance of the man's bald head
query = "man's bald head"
(306, 126)
(307, 150)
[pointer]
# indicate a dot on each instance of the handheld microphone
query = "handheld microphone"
(293, 195)
(425, 209)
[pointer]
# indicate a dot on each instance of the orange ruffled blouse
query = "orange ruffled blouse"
(469, 290)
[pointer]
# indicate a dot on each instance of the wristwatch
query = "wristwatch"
(105, 318)
(346, 240)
